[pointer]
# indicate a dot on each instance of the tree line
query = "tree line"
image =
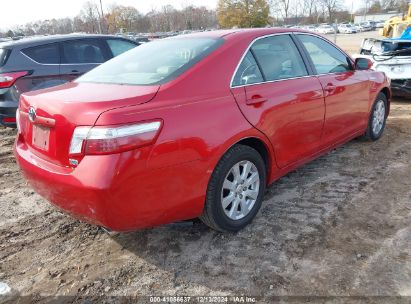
(228, 14)
(93, 19)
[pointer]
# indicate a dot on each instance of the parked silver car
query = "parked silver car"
(347, 28)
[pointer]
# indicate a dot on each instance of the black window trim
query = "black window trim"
(311, 63)
(307, 64)
(257, 61)
(40, 45)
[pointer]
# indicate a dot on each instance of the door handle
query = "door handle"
(330, 87)
(75, 72)
(256, 99)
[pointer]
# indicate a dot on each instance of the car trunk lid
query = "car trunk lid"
(48, 117)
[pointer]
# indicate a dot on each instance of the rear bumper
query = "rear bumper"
(116, 191)
(8, 113)
(401, 87)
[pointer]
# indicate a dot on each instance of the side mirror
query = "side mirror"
(363, 64)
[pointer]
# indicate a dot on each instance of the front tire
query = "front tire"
(377, 120)
(236, 189)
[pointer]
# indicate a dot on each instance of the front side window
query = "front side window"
(82, 51)
(46, 54)
(153, 63)
(325, 57)
(119, 46)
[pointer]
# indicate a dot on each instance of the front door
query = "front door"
(278, 96)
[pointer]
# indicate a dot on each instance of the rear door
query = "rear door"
(346, 90)
(277, 94)
(80, 56)
(45, 69)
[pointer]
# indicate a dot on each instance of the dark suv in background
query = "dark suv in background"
(37, 63)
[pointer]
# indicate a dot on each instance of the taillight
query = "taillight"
(8, 79)
(108, 140)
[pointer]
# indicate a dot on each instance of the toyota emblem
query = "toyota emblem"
(32, 114)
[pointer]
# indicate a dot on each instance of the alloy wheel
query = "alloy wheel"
(378, 117)
(240, 190)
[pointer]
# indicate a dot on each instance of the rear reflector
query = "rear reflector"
(9, 120)
(8, 79)
(108, 140)
(18, 120)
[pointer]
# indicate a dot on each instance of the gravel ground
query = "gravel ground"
(337, 230)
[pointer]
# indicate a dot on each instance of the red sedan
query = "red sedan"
(195, 126)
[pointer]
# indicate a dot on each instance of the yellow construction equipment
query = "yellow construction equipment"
(395, 26)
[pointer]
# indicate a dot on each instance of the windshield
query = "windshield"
(153, 63)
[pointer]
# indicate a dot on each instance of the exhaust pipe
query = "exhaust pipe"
(108, 231)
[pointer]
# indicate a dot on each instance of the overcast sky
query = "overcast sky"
(16, 12)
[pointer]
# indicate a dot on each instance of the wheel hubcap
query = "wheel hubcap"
(378, 117)
(240, 190)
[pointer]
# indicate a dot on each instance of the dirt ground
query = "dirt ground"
(337, 230)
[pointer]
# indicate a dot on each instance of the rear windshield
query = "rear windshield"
(3, 56)
(154, 62)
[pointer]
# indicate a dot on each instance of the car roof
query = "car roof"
(38, 40)
(244, 33)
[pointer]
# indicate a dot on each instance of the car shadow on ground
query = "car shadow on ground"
(401, 100)
(294, 218)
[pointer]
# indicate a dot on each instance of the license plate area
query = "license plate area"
(41, 137)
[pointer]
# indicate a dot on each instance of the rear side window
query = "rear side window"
(325, 57)
(248, 72)
(279, 58)
(82, 51)
(119, 46)
(276, 56)
(4, 54)
(46, 54)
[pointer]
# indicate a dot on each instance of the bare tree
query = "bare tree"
(90, 16)
(281, 7)
(331, 6)
(309, 7)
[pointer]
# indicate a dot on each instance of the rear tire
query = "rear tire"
(236, 189)
(377, 120)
